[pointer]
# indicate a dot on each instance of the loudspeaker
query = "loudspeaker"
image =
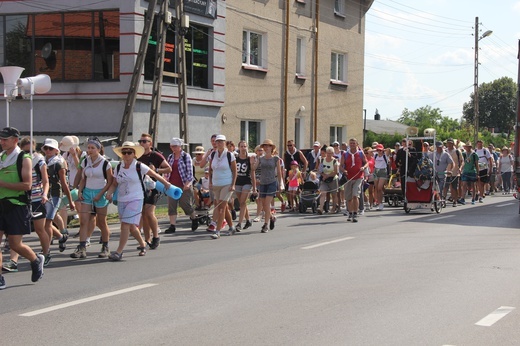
(412, 131)
(10, 74)
(40, 84)
(429, 132)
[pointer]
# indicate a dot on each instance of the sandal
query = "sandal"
(115, 256)
(142, 251)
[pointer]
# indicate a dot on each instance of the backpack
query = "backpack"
(388, 168)
(105, 165)
(146, 193)
(26, 197)
(213, 155)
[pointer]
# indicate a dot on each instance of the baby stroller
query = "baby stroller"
(309, 196)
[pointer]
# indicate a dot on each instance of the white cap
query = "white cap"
(50, 142)
(176, 141)
(220, 138)
(316, 144)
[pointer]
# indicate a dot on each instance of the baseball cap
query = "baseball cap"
(450, 140)
(220, 138)
(9, 132)
(51, 142)
(335, 143)
(316, 144)
(439, 144)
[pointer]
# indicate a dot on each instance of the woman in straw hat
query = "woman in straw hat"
(96, 178)
(270, 172)
(505, 167)
(129, 175)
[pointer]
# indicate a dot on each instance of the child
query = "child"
(295, 179)
(203, 194)
(314, 178)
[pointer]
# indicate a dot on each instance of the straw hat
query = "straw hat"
(268, 142)
(69, 142)
(199, 150)
(505, 148)
(139, 150)
(468, 145)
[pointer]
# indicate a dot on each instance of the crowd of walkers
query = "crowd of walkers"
(38, 189)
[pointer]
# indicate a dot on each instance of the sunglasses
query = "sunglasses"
(143, 141)
(127, 152)
(47, 148)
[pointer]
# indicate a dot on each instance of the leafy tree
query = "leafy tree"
(497, 105)
(423, 118)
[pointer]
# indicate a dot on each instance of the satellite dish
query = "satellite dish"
(47, 51)
(412, 131)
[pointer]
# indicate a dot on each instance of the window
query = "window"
(339, 8)
(300, 57)
(196, 45)
(253, 49)
(250, 131)
(336, 134)
(297, 132)
(338, 68)
(72, 46)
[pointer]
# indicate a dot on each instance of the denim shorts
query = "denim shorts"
(268, 190)
(51, 207)
(469, 177)
(88, 198)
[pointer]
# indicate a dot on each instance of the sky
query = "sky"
(421, 53)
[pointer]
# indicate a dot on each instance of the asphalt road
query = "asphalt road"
(391, 279)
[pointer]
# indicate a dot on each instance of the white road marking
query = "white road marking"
(326, 243)
(503, 205)
(86, 300)
(442, 217)
(495, 316)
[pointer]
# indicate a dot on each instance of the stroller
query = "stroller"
(309, 196)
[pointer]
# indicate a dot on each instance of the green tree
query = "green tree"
(497, 105)
(423, 118)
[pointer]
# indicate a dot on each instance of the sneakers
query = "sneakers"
(37, 268)
(480, 200)
(224, 223)
(170, 229)
(271, 222)
(238, 228)
(319, 212)
(194, 224)
(155, 243)
(104, 252)
(454, 204)
(232, 230)
(215, 235)
(361, 212)
(354, 218)
(264, 228)
(233, 214)
(10, 266)
(248, 224)
(142, 250)
(62, 242)
(2, 282)
(461, 201)
(116, 257)
(473, 201)
(349, 218)
(283, 207)
(47, 259)
(80, 252)
(88, 242)
(212, 227)
(380, 207)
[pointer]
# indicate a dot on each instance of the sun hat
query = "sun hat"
(176, 141)
(268, 142)
(294, 163)
(139, 150)
(51, 142)
(450, 140)
(199, 150)
(505, 148)
(468, 144)
(220, 138)
(69, 142)
(335, 143)
(380, 147)
(374, 144)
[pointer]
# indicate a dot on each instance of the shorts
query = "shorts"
(185, 202)
(204, 194)
(453, 182)
(15, 221)
(152, 198)
(268, 190)
(243, 188)
(130, 212)
(222, 193)
(293, 188)
(469, 177)
(88, 198)
(353, 189)
(38, 207)
(484, 177)
(51, 207)
(380, 174)
(329, 187)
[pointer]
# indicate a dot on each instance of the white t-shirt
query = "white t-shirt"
(483, 158)
(93, 171)
(71, 165)
(221, 169)
(128, 184)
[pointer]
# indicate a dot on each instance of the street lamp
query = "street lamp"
(475, 85)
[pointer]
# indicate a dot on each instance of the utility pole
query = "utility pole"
(182, 26)
(136, 76)
(155, 109)
(475, 86)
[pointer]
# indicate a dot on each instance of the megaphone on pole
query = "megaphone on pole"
(10, 75)
(39, 84)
